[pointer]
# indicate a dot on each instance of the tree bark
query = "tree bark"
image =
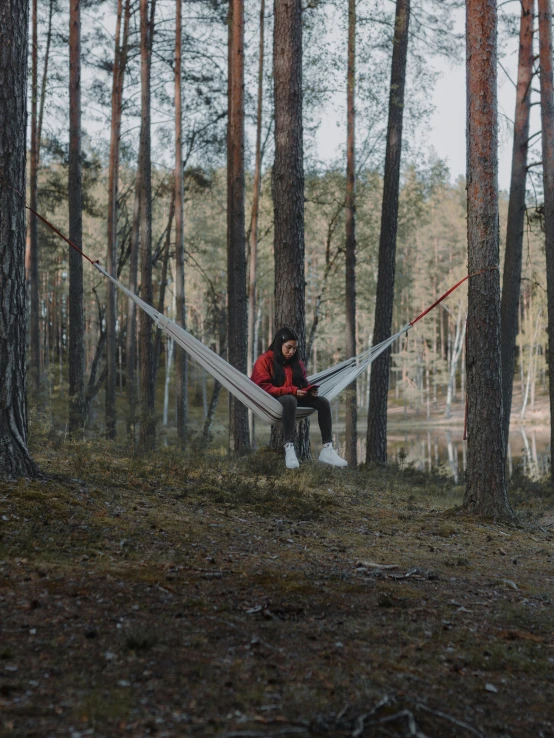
(237, 325)
(547, 126)
(351, 414)
(76, 357)
(33, 223)
(380, 369)
(181, 315)
(486, 466)
(511, 283)
(288, 185)
(120, 61)
(147, 437)
(15, 460)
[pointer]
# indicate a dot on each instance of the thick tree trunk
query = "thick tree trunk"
(147, 438)
(547, 121)
(486, 467)
(76, 354)
(380, 369)
(256, 200)
(237, 326)
(15, 460)
(288, 185)
(181, 316)
(351, 414)
(131, 337)
(33, 223)
(511, 282)
(120, 61)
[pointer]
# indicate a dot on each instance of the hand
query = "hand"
(314, 392)
(301, 393)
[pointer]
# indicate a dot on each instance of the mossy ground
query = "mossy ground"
(198, 594)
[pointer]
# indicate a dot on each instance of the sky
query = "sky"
(445, 131)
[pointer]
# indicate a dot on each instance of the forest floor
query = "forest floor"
(177, 595)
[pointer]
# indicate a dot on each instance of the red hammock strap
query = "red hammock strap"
(60, 234)
(442, 297)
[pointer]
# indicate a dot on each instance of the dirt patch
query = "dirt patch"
(200, 595)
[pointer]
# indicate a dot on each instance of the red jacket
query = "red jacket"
(262, 374)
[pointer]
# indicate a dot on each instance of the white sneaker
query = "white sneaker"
(329, 456)
(290, 456)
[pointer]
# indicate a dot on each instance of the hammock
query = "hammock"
(331, 381)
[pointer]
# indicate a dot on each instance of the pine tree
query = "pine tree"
(237, 325)
(377, 414)
(547, 127)
(351, 415)
(486, 466)
(76, 348)
(511, 282)
(15, 460)
(288, 180)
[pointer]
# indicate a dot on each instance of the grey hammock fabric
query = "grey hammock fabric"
(331, 381)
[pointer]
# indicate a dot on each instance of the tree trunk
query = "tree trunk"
(516, 211)
(181, 317)
(351, 414)
(120, 61)
(486, 467)
(76, 357)
(147, 437)
(547, 121)
(15, 460)
(252, 292)
(163, 285)
(36, 130)
(45, 74)
(33, 223)
(237, 324)
(131, 337)
(288, 185)
(456, 351)
(379, 383)
(256, 200)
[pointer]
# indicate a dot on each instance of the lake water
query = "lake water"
(442, 447)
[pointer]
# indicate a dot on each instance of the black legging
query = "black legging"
(321, 404)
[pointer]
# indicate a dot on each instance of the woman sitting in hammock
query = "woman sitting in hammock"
(281, 373)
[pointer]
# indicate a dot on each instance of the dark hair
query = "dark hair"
(283, 335)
